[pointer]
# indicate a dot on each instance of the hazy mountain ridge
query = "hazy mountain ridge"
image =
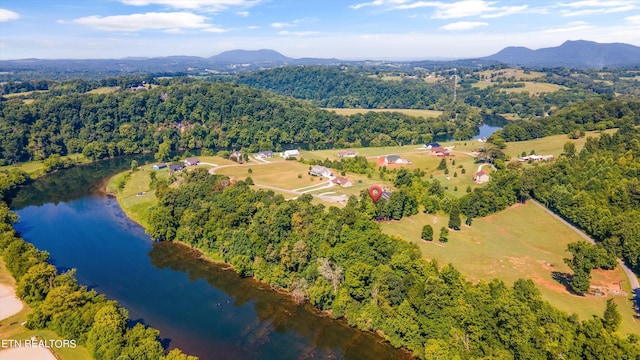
(580, 53)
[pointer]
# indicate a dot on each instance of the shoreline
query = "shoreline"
(201, 255)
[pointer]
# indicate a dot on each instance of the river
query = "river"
(200, 307)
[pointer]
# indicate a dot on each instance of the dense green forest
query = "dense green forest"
(195, 115)
(71, 310)
(340, 261)
(598, 189)
(340, 88)
(594, 114)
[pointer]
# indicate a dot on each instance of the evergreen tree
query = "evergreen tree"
(444, 234)
(454, 217)
(611, 320)
(427, 233)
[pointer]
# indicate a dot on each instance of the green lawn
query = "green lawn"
(520, 242)
(35, 167)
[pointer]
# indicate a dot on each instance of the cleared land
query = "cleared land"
(518, 74)
(520, 242)
(550, 145)
(36, 167)
(411, 112)
(104, 90)
(532, 87)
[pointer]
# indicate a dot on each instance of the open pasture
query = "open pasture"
(520, 242)
(411, 112)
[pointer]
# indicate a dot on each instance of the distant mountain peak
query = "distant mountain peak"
(250, 56)
(572, 53)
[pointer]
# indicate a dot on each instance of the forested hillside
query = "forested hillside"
(594, 114)
(194, 115)
(598, 189)
(334, 87)
(342, 263)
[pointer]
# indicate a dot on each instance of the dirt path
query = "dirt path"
(633, 279)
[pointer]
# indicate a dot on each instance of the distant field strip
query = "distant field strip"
(410, 112)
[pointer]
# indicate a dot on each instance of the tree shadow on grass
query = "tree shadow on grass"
(565, 280)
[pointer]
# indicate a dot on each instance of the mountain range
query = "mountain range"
(575, 54)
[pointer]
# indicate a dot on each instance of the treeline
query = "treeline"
(60, 304)
(357, 164)
(341, 88)
(341, 262)
(598, 189)
(193, 114)
(594, 114)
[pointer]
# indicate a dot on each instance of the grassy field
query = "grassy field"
(11, 328)
(550, 145)
(532, 87)
(411, 112)
(520, 242)
(35, 167)
(26, 93)
(104, 90)
(518, 74)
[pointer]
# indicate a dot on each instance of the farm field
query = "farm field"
(411, 112)
(518, 74)
(35, 167)
(104, 90)
(531, 87)
(508, 246)
(550, 145)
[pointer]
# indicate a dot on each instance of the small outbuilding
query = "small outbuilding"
(159, 166)
(290, 153)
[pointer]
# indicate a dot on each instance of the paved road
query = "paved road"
(633, 279)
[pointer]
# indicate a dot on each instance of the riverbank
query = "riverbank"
(12, 330)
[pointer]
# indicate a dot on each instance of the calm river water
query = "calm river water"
(198, 306)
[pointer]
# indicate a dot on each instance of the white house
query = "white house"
(290, 153)
(318, 170)
(481, 177)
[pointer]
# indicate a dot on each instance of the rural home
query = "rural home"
(536, 158)
(159, 166)
(192, 161)
(481, 177)
(176, 168)
(394, 159)
(347, 154)
(439, 151)
(431, 145)
(237, 156)
(318, 170)
(290, 153)
(342, 181)
(265, 154)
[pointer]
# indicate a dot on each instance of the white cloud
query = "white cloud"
(450, 10)
(598, 11)
(463, 25)
(298, 33)
(574, 26)
(213, 5)
(279, 25)
(172, 21)
(242, 13)
(635, 20)
(377, 3)
(595, 7)
(8, 15)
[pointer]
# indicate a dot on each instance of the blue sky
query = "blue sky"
(345, 29)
